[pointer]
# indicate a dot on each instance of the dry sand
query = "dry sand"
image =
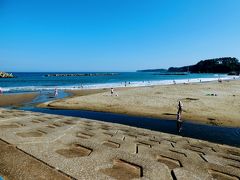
(16, 99)
(161, 102)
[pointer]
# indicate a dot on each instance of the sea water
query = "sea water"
(30, 82)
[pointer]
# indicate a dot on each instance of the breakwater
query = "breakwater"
(81, 74)
(6, 75)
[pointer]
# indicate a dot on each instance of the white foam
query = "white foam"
(119, 84)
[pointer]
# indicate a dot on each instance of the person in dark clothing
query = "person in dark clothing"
(179, 118)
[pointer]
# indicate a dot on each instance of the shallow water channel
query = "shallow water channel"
(217, 134)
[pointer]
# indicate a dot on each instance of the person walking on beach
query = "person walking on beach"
(1, 91)
(179, 116)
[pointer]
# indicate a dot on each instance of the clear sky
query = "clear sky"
(115, 35)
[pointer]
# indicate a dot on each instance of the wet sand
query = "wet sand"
(16, 99)
(200, 102)
(85, 92)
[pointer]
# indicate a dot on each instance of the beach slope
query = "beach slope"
(16, 99)
(212, 102)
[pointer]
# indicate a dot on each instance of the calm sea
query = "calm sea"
(29, 82)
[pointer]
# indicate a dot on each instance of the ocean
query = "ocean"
(32, 82)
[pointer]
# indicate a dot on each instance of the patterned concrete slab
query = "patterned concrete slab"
(78, 148)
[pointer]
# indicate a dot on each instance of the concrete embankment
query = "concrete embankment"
(60, 147)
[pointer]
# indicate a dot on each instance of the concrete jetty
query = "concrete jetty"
(43, 146)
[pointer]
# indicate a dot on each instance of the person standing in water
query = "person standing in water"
(56, 92)
(179, 116)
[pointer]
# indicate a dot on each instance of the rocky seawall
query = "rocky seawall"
(6, 75)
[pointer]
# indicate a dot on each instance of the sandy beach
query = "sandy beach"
(212, 102)
(85, 92)
(16, 99)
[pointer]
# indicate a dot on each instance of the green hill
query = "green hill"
(217, 65)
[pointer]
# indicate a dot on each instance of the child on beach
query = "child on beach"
(112, 92)
(179, 114)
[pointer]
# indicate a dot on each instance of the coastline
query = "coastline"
(16, 99)
(145, 79)
(161, 101)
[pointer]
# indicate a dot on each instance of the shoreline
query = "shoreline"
(137, 115)
(133, 84)
(140, 101)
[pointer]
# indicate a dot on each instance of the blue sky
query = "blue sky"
(115, 35)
